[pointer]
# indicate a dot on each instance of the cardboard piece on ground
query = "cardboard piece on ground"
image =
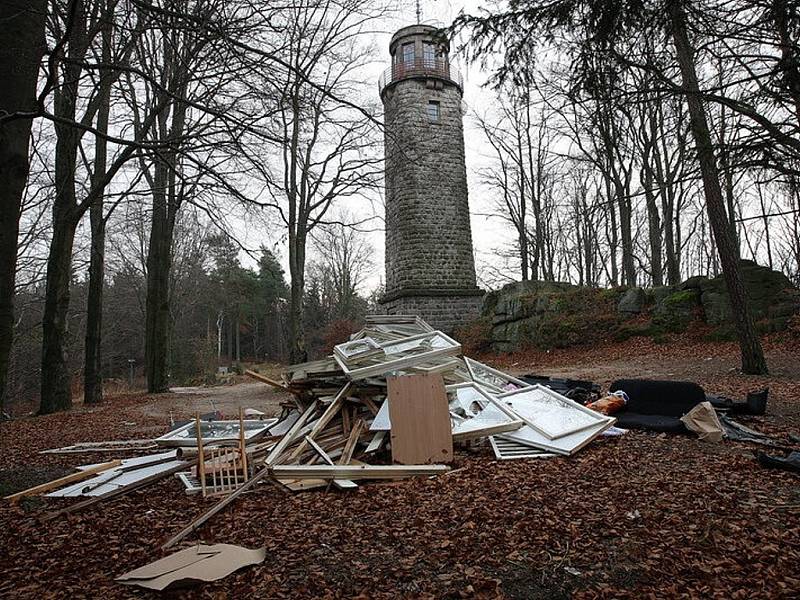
(420, 417)
(193, 565)
(702, 419)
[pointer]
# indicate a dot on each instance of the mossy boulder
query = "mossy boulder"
(772, 298)
(632, 302)
(552, 314)
(677, 310)
(549, 315)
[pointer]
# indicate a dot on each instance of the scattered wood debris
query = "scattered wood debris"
(389, 404)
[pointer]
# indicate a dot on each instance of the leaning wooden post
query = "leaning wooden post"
(201, 459)
(242, 445)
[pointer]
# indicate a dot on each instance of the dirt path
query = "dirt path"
(225, 398)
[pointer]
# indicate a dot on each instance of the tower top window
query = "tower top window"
(429, 54)
(408, 53)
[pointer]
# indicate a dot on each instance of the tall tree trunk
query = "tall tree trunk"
(159, 264)
(625, 214)
(22, 45)
(56, 392)
(653, 229)
(613, 238)
(167, 200)
(670, 252)
(753, 361)
(92, 369)
(524, 255)
(229, 341)
(297, 338)
(238, 342)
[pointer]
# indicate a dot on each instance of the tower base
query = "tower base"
(444, 311)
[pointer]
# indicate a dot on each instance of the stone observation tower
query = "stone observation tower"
(430, 270)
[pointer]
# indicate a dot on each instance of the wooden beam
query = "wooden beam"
(323, 421)
(355, 471)
(265, 379)
(242, 444)
(62, 481)
(217, 507)
(347, 453)
(201, 457)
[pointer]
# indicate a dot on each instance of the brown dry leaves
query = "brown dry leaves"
(642, 516)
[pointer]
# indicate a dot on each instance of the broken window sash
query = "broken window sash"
(410, 351)
(550, 413)
(441, 366)
(480, 413)
(215, 432)
(109, 481)
(357, 349)
(398, 321)
(492, 379)
(566, 445)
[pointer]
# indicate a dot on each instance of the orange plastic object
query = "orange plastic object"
(608, 405)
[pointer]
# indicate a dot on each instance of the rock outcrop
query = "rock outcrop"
(552, 314)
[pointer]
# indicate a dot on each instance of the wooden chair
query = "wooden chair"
(221, 469)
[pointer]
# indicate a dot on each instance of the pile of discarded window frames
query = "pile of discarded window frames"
(398, 368)
(390, 403)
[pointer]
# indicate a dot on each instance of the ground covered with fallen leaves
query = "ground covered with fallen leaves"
(640, 516)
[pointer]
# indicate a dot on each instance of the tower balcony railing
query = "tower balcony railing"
(420, 67)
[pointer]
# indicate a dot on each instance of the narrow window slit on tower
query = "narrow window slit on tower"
(433, 110)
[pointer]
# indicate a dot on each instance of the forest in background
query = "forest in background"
(629, 144)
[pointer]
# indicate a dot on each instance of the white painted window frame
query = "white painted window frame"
(597, 418)
(471, 368)
(396, 364)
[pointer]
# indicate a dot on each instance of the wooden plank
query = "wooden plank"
(352, 440)
(368, 402)
(342, 484)
(420, 417)
(302, 485)
(201, 457)
(217, 507)
(326, 417)
(242, 446)
(376, 443)
(355, 472)
(322, 454)
(112, 446)
(265, 379)
(346, 419)
(62, 481)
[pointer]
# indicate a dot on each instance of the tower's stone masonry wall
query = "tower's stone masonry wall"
(442, 312)
(428, 236)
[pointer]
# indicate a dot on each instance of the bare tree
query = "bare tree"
(22, 45)
(328, 147)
